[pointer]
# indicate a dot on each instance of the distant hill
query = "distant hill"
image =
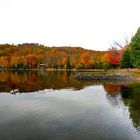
(32, 55)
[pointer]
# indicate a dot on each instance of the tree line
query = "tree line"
(37, 56)
(32, 55)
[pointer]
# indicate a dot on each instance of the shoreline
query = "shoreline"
(94, 74)
(115, 77)
(82, 70)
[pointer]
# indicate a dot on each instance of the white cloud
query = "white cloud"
(92, 24)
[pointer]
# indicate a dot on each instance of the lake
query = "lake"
(51, 105)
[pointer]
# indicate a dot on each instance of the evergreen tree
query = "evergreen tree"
(68, 63)
(126, 62)
(135, 50)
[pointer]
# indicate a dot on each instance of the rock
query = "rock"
(117, 76)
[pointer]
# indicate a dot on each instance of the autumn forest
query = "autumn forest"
(37, 56)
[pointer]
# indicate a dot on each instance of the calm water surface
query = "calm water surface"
(51, 105)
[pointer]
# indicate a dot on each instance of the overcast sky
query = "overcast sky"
(92, 24)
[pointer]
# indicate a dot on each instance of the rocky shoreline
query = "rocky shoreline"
(118, 77)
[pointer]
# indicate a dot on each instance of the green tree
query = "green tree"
(125, 61)
(68, 66)
(135, 50)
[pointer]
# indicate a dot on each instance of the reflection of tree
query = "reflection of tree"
(27, 81)
(131, 98)
(114, 100)
(68, 73)
(113, 95)
(129, 94)
(112, 89)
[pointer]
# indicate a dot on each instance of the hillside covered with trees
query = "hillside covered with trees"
(33, 56)
(27, 56)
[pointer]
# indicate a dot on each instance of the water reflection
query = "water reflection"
(92, 110)
(111, 88)
(129, 94)
(63, 114)
(131, 98)
(29, 81)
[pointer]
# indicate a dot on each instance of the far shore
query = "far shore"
(83, 70)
